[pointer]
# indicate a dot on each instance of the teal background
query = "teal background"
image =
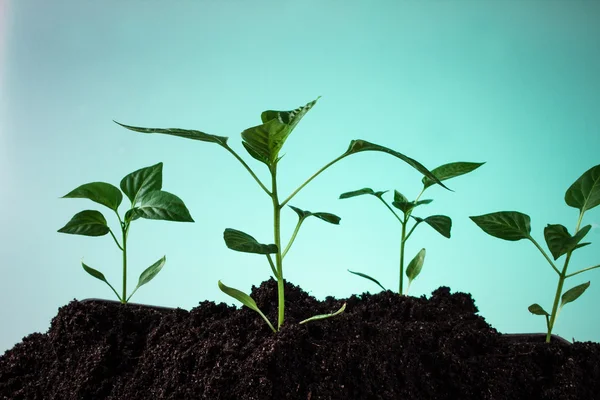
(511, 83)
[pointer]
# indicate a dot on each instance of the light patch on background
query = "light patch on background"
(3, 100)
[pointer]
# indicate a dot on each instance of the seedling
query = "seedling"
(263, 143)
(143, 188)
(440, 223)
(584, 195)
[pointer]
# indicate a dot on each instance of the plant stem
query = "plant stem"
(124, 228)
(277, 234)
(229, 149)
(390, 208)
(545, 255)
(582, 270)
(293, 237)
(402, 256)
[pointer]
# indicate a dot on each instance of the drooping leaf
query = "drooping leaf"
(184, 133)
(323, 316)
(357, 146)
(245, 300)
(99, 192)
(451, 170)
(360, 192)
(584, 193)
(559, 240)
(440, 223)
(573, 293)
(327, 217)
(150, 272)
(415, 265)
(162, 205)
(537, 310)
(138, 183)
(99, 275)
(507, 225)
(240, 241)
(263, 142)
(87, 223)
(368, 277)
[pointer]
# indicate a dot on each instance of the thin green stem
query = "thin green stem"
(293, 237)
(545, 255)
(402, 256)
(390, 208)
(125, 229)
(583, 270)
(113, 236)
(272, 266)
(277, 238)
(229, 149)
(411, 231)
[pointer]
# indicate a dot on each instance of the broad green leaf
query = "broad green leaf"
(163, 206)
(99, 192)
(440, 223)
(399, 197)
(559, 240)
(573, 293)
(150, 272)
(584, 194)
(87, 223)
(357, 146)
(245, 300)
(263, 142)
(368, 277)
(140, 182)
(450, 170)
(407, 206)
(360, 192)
(327, 217)
(184, 133)
(537, 310)
(240, 241)
(323, 316)
(507, 225)
(415, 265)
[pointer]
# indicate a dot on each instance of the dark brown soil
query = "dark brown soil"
(384, 346)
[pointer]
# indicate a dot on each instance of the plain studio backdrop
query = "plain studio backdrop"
(511, 83)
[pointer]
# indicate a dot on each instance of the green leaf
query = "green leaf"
(263, 142)
(327, 217)
(150, 272)
(559, 240)
(87, 223)
(399, 197)
(357, 146)
(99, 275)
(245, 300)
(162, 205)
(140, 182)
(573, 293)
(507, 225)
(537, 310)
(323, 316)
(408, 206)
(99, 192)
(360, 192)
(240, 241)
(440, 223)
(368, 277)
(184, 133)
(450, 170)
(584, 194)
(415, 265)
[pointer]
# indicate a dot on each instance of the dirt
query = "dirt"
(384, 346)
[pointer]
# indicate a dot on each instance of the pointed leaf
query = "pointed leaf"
(559, 240)
(368, 277)
(440, 223)
(150, 272)
(323, 316)
(408, 206)
(584, 194)
(87, 223)
(360, 192)
(507, 225)
(245, 300)
(99, 192)
(415, 265)
(450, 170)
(357, 146)
(399, 197)
(163, 206)
(327, 217)
(263, 142)
(537, 310)
(240, 241)
(573, 293)
(93, 272)
(184, 133)
(140, 182)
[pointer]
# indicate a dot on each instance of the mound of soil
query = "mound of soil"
(384, 346)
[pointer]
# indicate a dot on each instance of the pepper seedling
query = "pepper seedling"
(263, 143)
(143, 188)
(583, 194)
(440, 223)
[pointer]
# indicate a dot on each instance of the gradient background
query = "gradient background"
(512, 83)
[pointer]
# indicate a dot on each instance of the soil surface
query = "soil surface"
(384, 346)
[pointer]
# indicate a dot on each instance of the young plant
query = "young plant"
(584, 195)
(440, 223)
(264, 143)
(143, 188)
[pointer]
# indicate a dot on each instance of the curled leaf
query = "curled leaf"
(451, 170)
(245, 300)
(323, 316)
(240, 241)
(368, 277)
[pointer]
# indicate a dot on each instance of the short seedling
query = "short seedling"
(584, 195)
(440, 223)
(143, 188)
(263, 143)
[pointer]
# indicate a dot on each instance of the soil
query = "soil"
(384, 346)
